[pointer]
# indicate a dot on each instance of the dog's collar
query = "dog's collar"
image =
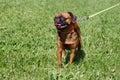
(73, 27)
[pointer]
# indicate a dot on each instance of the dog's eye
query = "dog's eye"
(63, 18)
(56, 19)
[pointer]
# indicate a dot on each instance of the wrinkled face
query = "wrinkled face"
(62, 21)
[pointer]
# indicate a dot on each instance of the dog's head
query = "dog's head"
(64, 20)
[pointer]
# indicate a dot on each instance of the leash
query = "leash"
(88, 17)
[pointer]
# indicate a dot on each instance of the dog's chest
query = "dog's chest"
(70, 38)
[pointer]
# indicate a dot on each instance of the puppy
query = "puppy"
(68, 35)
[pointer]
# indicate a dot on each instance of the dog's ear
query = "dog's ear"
(74, 18)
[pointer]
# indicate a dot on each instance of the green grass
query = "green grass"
(28, 40)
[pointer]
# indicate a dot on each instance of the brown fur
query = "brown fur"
(69, 41)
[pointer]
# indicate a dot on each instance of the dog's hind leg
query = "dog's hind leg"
(72, 55)
(63, 53)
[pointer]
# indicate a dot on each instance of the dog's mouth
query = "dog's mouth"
(60, 26)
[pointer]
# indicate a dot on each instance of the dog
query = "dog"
(68, 35)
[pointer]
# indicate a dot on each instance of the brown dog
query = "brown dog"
(68, 35)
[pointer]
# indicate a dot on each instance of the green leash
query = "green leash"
(88, 17)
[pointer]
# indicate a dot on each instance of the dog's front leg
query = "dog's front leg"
(72, 55)
(59, 55)
(63, 53)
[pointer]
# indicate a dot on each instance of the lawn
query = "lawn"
(28, 40)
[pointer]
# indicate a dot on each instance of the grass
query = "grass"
(28, 40)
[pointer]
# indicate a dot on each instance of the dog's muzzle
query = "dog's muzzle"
(60, 26)
(60, 23)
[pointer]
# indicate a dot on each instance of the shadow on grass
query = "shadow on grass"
(78, 58)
